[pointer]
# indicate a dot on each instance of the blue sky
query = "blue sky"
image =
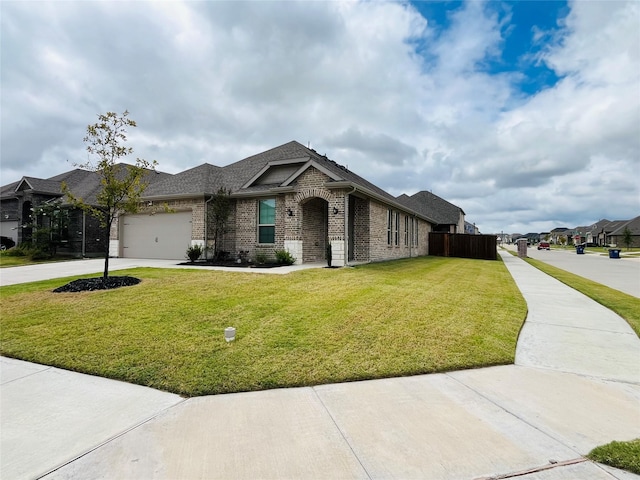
(527, 27)
(525, 114)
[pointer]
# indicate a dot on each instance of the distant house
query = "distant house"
(471, 228)
(559, 234)
(449, 218)
(580, 235)
(594, 231)
(616, 236)
(289, 197)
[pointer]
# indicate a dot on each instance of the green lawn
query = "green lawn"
(627, 306)
(310, 327)
(19, 261)
(623, 455)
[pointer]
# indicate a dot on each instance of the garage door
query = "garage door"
(163, 235)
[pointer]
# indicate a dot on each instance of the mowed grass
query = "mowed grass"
(623, 455)
(627, 306)
(309, 327)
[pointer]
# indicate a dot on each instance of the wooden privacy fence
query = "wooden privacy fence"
(463, 245)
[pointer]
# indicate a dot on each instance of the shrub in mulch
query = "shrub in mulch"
(203, 263)
(100, 283)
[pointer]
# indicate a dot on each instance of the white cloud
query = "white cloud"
(218, 81)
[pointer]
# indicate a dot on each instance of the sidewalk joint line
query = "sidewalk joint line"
(111, 439)
(542, 468)
(513, 414)
(342, 433)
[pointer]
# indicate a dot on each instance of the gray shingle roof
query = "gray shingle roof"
(206, 179)
(432, 206)
(83, 184)
(633, 225)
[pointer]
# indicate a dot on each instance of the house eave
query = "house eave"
(263, 193)
(377, 196)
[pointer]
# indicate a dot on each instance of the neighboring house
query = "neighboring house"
(558, 233)
(80, 233)
(594, 231)
(580, 235)
(289, 197)
(471, 228)
(616, 236)
(448, 217)
(532, 238)
(605, 234)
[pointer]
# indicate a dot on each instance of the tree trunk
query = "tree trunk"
(105, 275)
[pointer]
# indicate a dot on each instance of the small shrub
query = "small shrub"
(328, 253)
(39, 254)
(283, 257)
(261, 257)
(194, 252)
(22, 250)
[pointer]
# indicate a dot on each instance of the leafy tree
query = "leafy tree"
(220, 209)
(627, 237)
(122, 184)
(51, 224)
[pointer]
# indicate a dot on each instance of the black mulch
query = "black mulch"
(231, 264)
(91, 284)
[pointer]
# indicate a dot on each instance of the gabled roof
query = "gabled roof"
(241, 177)
(204, 179)
(432, 206)
(633, 225)
(559, 230)
(83, 184)
(599, 225)
(613, 226)
(39, 185)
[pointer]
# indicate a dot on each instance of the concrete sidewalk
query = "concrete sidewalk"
(575, 385)
(49, 271)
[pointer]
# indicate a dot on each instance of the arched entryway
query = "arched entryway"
(314, 229)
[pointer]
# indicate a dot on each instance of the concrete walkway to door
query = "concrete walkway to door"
(575, 385)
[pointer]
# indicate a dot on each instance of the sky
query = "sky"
(524, 114)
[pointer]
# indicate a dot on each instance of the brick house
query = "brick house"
(448, 218)
(289, 197)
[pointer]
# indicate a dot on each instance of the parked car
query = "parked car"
(6, 243)
(544, 246)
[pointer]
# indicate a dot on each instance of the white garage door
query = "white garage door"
(163, 235)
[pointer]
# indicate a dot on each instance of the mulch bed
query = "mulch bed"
(91, 284)
(231, 264)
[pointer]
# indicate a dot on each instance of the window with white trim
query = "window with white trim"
(267, 220)
(389, 227)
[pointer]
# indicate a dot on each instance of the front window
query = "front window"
(406, 230)
(267, 221)
(396, 231)
(389, 227)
